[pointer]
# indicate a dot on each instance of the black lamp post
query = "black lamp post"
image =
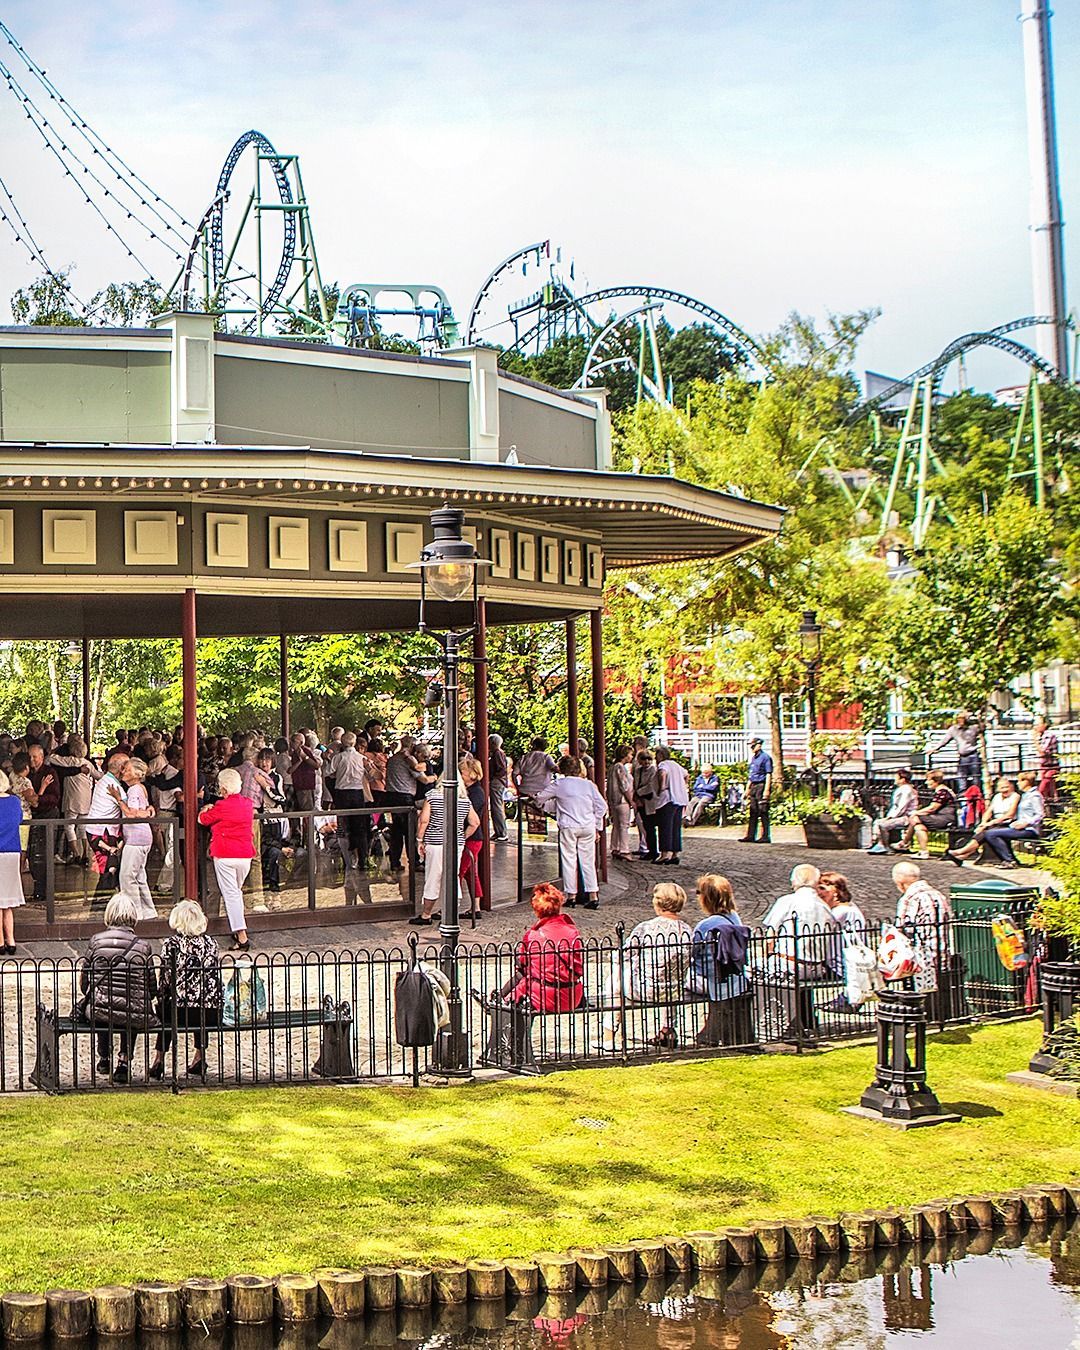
(74, 653)
(450, 572)
(810, 641)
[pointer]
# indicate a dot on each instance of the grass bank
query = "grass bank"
(108, 1188)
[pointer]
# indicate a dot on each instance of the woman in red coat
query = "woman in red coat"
(551, 957)
(232, 849)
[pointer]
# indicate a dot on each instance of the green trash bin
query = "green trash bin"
(990, 988)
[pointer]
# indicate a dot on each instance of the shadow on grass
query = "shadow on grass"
(971, 1110)
(957, 1036)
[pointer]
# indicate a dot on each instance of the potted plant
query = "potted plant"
(1059, 917)
(829, 824)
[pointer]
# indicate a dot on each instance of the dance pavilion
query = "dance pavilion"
(174, 480)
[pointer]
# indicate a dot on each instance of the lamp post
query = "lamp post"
(74, 653)
(810, 641)
(449, 572)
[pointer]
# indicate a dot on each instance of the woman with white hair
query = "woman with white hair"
(232, 849)
(191, 993)
(11, 889)
(118, 985)
(138, 837)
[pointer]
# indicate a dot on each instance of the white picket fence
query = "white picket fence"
(1009, 750)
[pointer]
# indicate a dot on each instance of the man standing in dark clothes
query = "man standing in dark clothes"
(758, 788)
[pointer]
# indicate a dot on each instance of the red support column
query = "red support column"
(86, 728)
(599, 748)
(283, 666)
(573, 727)
(191, 751)
(483, 731)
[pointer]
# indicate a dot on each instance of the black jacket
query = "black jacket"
(118, 980)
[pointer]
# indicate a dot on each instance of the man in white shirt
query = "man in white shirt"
(579, 812)
(904, 800)
(349, 771)
(105, 837)
(803, 929)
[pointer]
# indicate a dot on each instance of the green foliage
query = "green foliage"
(817, 808)
(980, 608)
(48, 301)
(1060, 911)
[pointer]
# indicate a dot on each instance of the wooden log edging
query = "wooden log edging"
(758, 1254)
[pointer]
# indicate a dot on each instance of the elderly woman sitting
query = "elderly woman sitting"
(118, 986)
(653, 967)
(191, 992)
(550, 958)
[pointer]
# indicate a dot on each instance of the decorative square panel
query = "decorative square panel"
(502, 558)
(7, 537)
(69, 537)
(403, 545)
(572, 563)
(348, 551)
(525, 567)
(594, 566)
(226, 539)
(549, 559)
(150, 538)
(289, 543)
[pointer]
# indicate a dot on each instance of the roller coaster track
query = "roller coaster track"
(993, 337)
(543, 247)
(746, 345)
(217, 218)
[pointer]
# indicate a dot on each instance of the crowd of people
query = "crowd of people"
(665, 962)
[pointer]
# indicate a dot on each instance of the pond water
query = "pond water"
(1019, 1291)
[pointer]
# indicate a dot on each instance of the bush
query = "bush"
(814, 808)
(1060, 909)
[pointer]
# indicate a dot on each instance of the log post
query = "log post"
(592, 1267)
(296, 1298)
(381, 1285)
(771, 1241)
(1036, 1204)
(680, 1254)
(652, 1259)
(450, 1284)
(860, 1231)
(341, 1293)
(413, 1287)
(205, 1302)
(742, 1246)
(487, 1279)
(522, 1277)
(935, 1220)
(830, 1233)
(114, 1310)
(889, 1228)
(157, 1306)
(1009, 1210)
(1057, 1199)
(69, 1313)
(622, 1264)
(558, 1272)
(251, 1298)
(709, 1250)
(22, 1317)
(981, 1209)
(802, 1239)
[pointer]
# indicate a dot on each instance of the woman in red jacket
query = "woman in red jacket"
(550, 958)
(232, 848)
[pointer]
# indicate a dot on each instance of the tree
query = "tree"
(980, 609)
(47, 302)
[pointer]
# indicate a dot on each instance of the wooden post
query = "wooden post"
(86, 727)
(573, 728)
(205, 1302)
(596, 635)
(114, 1310)
(69, 1313)
(191, 751)
(283, 670)
(483, 731)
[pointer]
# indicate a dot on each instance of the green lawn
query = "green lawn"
(124, 1187)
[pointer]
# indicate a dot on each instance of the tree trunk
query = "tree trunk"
(99, 685)
(776, 744)
(54, 688)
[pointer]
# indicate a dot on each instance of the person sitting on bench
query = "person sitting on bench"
(939, 813)
(118, 985)
(1027, 823)
(998, 815)
(551, 957)
(653, 967)
(902, 803)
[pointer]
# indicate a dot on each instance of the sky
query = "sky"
(810, 155)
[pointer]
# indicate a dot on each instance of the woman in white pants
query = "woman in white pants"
(430, 844)
(232, 848)
(579, 812)
(138, 836)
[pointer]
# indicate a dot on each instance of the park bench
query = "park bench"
(335, 1052)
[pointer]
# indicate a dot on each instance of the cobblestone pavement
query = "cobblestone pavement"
(759, 873)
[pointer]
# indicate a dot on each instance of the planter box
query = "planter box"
(1060, 981)
(824, 832)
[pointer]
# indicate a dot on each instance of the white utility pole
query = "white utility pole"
(1047, 254)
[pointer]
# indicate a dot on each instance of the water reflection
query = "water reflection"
(992, 1292)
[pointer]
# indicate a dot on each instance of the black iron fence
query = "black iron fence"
(303, 1017)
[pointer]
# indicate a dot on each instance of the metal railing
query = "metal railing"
(303, 1017)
